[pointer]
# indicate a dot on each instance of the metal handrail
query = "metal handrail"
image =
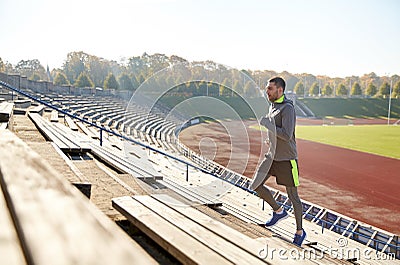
(19, 91)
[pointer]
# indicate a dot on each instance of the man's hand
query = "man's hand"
(267, 123)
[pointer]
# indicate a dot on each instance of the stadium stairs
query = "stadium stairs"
(170, 164)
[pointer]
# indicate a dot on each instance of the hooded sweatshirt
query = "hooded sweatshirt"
(282, 110)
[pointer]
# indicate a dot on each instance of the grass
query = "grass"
(382, 140)
(353, 107)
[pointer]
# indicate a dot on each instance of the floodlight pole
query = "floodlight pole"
(390, 101)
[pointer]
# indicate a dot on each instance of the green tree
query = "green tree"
(83, 80)
(75, 64)
(236, 88)
(342, 90)
(299, 88)
(314, 89)
(61, 79)
(110, 82)
(384, 90)
(2, 66)
(356, 89)
(35, 77)
(248, 91)
(224, 88)
(140, 79)
(135, 83)
(396, 90)
(327, 90)
(125, 82)
(30, 67)
(371, 90)
(98, 68)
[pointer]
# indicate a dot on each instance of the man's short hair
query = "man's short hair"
(278, 81)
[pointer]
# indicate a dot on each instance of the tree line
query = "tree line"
(84, 70)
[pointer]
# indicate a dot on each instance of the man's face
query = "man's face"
(273, 91)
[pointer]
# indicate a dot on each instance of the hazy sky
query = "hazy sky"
(337, 38)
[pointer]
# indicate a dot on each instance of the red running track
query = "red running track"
(362, 186)
(372, 181)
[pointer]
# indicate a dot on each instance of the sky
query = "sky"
(336, 38)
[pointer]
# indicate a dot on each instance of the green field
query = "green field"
(353, 107)
(382, 140)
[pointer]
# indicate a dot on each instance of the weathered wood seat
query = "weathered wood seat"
(22, 103)
(191, 236)
(57, 134)
(10, 248)
(38, 109)
(114, 159)
(6, 110)
(44, 220)
(54, 116)
(88, 130)
(71, 124)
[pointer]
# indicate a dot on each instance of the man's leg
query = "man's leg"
(300, 234)
(297, 206)
(266, 195)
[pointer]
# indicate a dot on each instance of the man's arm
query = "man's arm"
(288, 123)
(267, 123)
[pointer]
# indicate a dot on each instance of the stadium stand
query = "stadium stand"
(195, 237)
(204, 187)
(36, 217)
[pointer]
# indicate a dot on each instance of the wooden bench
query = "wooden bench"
(44, 220)
(71, 124)
(189, 235)
(54, 116)
(6, 110)
(133, 166)
(57, 134)
(38, 109)
(22, 103)
(88, 130)
(10, 248)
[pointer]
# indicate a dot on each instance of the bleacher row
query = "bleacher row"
(147, 128)
(44, 220)
(155, 131)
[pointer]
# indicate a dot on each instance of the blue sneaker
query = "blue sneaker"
(298, 239)
(276, 217)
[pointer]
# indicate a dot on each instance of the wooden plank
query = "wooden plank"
(87, 131)
(10, 248)
(3, 125)
(181, 245)
(6, 110)
(57, 223)
(49, 134)
(22, 103)
(54, 116)
(71, 124)
(242, 241)
(121, 164)
(47, 129)
(38, 109)
(82, 184)
(218, 244)
(59, 134)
